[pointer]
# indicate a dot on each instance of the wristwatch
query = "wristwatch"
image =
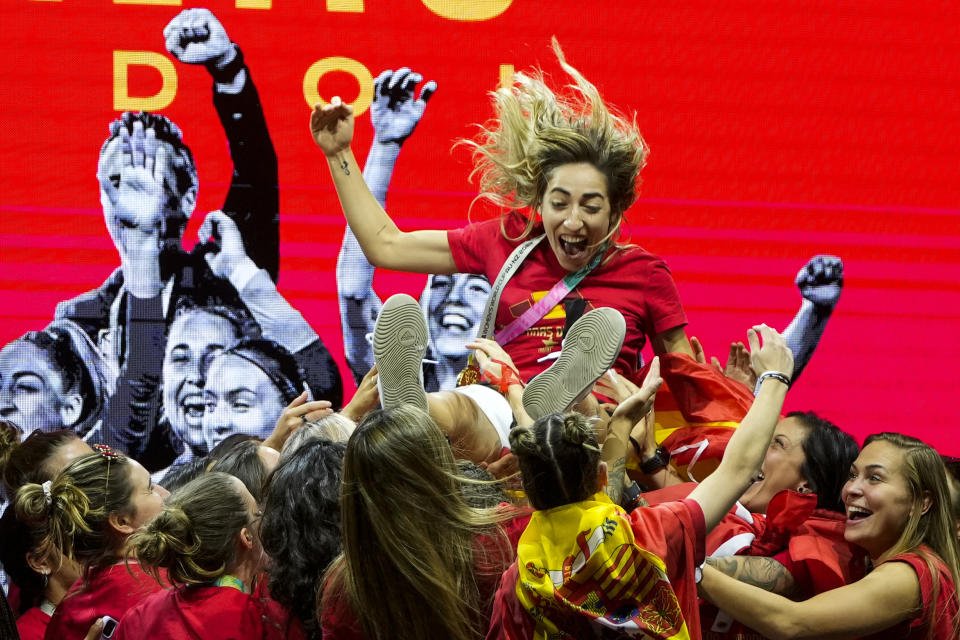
(656, 462)
(632, 496)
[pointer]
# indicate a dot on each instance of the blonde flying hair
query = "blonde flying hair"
(194, 536)
(926, 476)
(536, 130)
(410, 559)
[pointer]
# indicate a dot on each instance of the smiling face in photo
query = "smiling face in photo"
(454, 312)
(193, 340)
(239, 398)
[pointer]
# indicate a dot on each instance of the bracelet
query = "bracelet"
(659, 460)
(776, 375)
(227, 73)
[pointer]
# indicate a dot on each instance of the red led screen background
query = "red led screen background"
(778, 131)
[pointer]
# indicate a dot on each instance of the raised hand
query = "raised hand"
(395, 112)
(821, 280)
(195, 36)
(138, 196)
(773, 355)
(220, 234)
(738, 362)
(639, 403)
(134, 204)
(616, 387)
(332, 126)
(295, 415)
(366, 398)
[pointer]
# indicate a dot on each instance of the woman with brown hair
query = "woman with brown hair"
(206, 542)
(563, 168)
(584, 566)
(899, 510)
(91, 508)
(41, 574)
(417, 562)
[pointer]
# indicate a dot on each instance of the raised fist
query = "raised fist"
(195, 36)
(821, 280)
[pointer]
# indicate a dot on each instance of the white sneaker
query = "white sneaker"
(589, 349)
(399, 344)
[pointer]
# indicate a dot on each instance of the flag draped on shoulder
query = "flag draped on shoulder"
(581, 574)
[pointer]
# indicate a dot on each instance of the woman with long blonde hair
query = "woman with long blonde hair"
(417, 562)
(899, 510)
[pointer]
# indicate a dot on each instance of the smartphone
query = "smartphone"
(109, 627)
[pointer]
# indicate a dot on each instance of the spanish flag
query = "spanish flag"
(582, 575)
(696, 410)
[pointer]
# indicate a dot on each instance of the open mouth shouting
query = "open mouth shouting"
(192, 408)
(574, 247)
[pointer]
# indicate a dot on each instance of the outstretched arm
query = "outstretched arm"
(196, 36)
(887, 596)
(278, 319)
(394, 113)
(766, 573)
(820, 282)
(628, 413)
(745, 451)
(381, 240)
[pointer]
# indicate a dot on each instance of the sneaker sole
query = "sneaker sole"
(589, 350)
(399, 344)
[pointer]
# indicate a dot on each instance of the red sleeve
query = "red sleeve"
(32, 624)
(675, 531)
(471, 247)
(671, 530)
(919, 566)
(664, 310)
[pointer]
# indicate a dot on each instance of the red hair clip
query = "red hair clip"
(106, 451)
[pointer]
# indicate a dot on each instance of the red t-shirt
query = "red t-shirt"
(631, 280)
(674, 531)
(943, 612)
(32, 624)
(108, 592)
(211, 613)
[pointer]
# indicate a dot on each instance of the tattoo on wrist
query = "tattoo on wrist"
(345, 166)
(616, 479)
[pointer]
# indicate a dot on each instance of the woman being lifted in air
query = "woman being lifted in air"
(564, 168)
